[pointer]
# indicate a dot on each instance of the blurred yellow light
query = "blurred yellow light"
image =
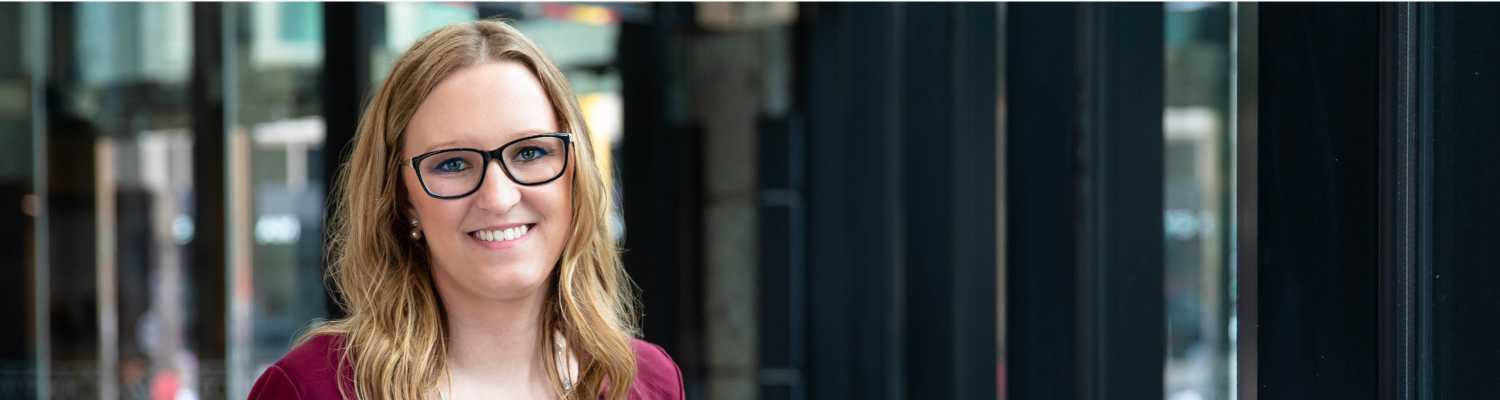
(603, 155)
(592, 15)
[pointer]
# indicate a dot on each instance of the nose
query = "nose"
(497, 193)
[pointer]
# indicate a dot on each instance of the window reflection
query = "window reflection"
(119, 167)
(277, 183)
(17, 365)
(1459, 185)
(1199, 302)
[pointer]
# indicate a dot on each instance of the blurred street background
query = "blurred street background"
(813, 196)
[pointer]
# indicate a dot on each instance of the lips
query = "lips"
(502, 235)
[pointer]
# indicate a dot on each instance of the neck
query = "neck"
(495, 339)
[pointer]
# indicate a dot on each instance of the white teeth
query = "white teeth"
(502, 235)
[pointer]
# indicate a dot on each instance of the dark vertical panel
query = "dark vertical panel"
(875, 225)
(1426, 24)
(1318, 139)
(19, 247)
(949, 138)
(72, 218)
(1039, 161)
(1459, 114)
(1397, 226)
(900, 104)
(1084, 235)
(857, 252)
(206, 255)
(348, 37)
(975, 84)
(15, 243)
(1120, 242)
(208, 266)
(782, 241)
(1247, 185)
(660, 187)
(929, 146)
(826, 59)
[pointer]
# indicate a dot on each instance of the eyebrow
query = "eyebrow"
(453, 144)
(444, 145)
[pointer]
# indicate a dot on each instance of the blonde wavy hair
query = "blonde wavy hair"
(395, 335)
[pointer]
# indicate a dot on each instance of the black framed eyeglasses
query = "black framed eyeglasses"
(528, 161)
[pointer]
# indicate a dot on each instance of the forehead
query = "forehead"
(482, 107)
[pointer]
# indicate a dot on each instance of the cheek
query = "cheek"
(435, 215)
(555, 203)
(556, 206)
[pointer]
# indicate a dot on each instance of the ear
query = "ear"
(403, 201)
(409, 209)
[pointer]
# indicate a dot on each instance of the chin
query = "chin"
(497, 275)
(508, 281)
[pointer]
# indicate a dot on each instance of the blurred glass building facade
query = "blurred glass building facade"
(1198, 203)
(818, 200)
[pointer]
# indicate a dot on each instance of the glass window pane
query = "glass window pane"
(120, 200)
(1457, 276)
(18, 205)
(276, 172)
(1199, 302)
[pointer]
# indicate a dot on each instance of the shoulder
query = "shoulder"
(656, 375)
(309, 371)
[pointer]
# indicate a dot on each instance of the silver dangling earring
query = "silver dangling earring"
(416, 233)
(566, 368)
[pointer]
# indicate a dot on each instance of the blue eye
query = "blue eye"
(530, 154)
(456, 164)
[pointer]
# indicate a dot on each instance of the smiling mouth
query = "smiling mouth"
(502, 235)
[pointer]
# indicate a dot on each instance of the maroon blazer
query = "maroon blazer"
(307, 373)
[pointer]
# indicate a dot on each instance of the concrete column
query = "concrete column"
(725, 93)
(738, 70)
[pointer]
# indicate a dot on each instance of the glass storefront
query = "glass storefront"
(1458, 182)
(1199, 280)
(18, 245)
(276, 180)
(101, 181)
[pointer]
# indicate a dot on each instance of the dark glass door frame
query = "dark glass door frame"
(351, 31)
(1335, 132)
(660, 189)
(209, 246)
(1404, 47)
(1247, 177)
(1330, 133)
(1084, 199)
(900, 220)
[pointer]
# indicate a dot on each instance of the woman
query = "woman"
(472, 247)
